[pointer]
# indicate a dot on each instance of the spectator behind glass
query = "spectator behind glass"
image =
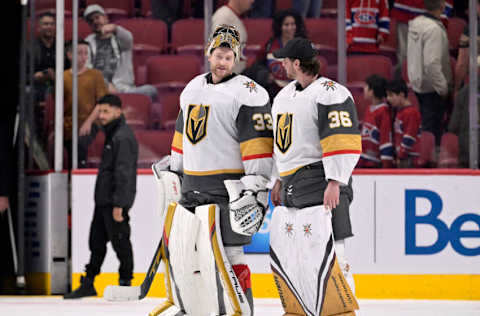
(268, 70)
(91, 87)
(461, 68)
(405, 10)
(377, 147)
(112, 47)
(44, 56)
(230, 14)
(459, 125)
(428, 64)
(308, 8)
(367, 25)
(406, 125)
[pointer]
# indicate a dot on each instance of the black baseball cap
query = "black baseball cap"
(297, 48)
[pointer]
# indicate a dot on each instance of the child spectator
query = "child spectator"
(376, 127)
(367, 25)
(406, 125)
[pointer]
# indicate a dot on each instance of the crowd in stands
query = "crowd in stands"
(413, 111)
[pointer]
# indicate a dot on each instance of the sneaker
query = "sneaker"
(86, 289)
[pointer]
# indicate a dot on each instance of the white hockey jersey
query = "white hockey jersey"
(318, 123)
(223, 131)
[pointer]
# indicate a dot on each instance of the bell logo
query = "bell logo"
(454, 234)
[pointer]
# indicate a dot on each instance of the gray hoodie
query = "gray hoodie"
(428, 58)
(122, 43)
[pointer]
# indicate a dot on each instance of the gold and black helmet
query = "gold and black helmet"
(225, 36)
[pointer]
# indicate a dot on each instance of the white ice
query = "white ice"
(55, 305)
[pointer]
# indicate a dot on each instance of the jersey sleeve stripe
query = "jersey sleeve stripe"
(259, 156)
(342, 152)
(177, 142)
(260, 146)
(341, 144)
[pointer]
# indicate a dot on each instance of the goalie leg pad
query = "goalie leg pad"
(179, 236)
(297, 237)
(230, 298)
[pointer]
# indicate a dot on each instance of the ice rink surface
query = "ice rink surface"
(55, 305)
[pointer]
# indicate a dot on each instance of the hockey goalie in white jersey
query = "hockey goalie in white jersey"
(317, 145)
(223, 146)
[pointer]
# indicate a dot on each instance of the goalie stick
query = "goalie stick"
(132, 293)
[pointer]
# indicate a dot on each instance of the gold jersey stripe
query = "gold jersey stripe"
(256, 146)
(289, 172)
(177, 140)
(341, 143)
(212, 172)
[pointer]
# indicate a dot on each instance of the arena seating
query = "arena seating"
(449, 152)
(137, 109)
(116, 9)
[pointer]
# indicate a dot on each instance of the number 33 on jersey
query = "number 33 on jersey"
(317, 123)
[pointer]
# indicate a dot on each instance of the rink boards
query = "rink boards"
(417, 235)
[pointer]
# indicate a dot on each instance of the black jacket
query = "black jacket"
(117, 176)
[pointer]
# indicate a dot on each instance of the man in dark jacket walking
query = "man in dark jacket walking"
(114, 195)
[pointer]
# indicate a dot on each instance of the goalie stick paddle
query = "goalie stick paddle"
(132, 293)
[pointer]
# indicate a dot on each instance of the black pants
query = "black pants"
(103, 229)
(432, 109)
(83, 143)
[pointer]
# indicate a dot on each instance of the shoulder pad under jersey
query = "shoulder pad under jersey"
(247, 91)
(330, 92)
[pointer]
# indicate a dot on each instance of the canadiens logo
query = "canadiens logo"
(251, 86)
(196, 127)
(283, 138)
(329, 85)
(307, 230)
(289, 229)
(365, 17)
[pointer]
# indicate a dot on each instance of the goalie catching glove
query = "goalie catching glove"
(248, 202)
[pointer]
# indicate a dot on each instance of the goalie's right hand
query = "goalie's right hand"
(248, 204)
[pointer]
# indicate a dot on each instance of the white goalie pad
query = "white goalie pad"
(168, 184)
(229, 298)
(304, 263)
(199, 278)
(248, 202)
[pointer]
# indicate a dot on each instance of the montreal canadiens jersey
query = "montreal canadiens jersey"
(318, 123)
(407, 132)
(377, 135)
(223, 131)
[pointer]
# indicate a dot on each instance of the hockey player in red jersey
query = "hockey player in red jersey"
(377, 147)
(406, 125)
(367, 25)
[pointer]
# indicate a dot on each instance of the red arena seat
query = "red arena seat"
(152, 146)
(360, 67)
(448, 157)
(171, 71)
(137, 109)
(187, 36)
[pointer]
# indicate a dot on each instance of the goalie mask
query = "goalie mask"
(225, 36)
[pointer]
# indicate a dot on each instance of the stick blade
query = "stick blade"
(116, 293)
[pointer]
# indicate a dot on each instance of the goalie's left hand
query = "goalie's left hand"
(248, 203)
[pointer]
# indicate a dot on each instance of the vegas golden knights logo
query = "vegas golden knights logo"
(196, 128)
(284, 131)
